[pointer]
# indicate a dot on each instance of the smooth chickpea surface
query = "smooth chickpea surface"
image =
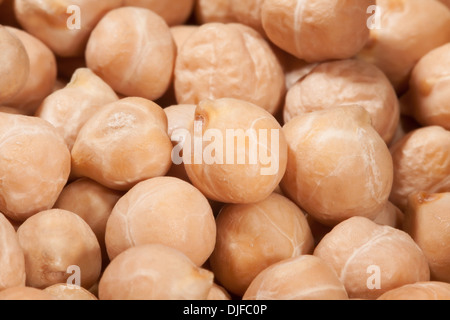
(428, 290)
(206, 68)
(154, 272)
(421, 163)
(165, 211)
(347, 82)
(24, 293)
(338, 166)
(42, 74)
(69, 108)
(12, 260)
(92, 202)
(48, 21)
(251, 237)
(429, 89)
(317, 30)
(249, 179)
(383, 48)
(138, 60)
(122, 144)
(34, 165)
(301, 278)
(16, 69)
(68, 241)
(63, 291)
(427, 220)
(174, 12)
(357, 245)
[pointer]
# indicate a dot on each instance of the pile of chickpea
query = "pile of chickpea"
(224, 149)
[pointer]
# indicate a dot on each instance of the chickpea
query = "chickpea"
(139, 59)
(303, 152)
(174, 12)
(92, 202)
(64, 291)
(401, 22)
(347, 82)
(68, 241)
(48, 21)
(25, 293)
(206, 68)
(179, 119)
(70, 108)
(428, 290)
(12, 261)
(246, 166)
(14, 72)
(180, 217)
(421, 163)
(122, 144)
(300, 278)
(154, 272)
(218, 293)
(338, 166)
(357, 245)
(251, 237)
(208, 11)
(42, 74)
(34, 165)
(317, 30)
(426, 221)
(429, 92)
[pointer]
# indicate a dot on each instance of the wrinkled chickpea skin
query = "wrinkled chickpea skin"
(224, 149)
